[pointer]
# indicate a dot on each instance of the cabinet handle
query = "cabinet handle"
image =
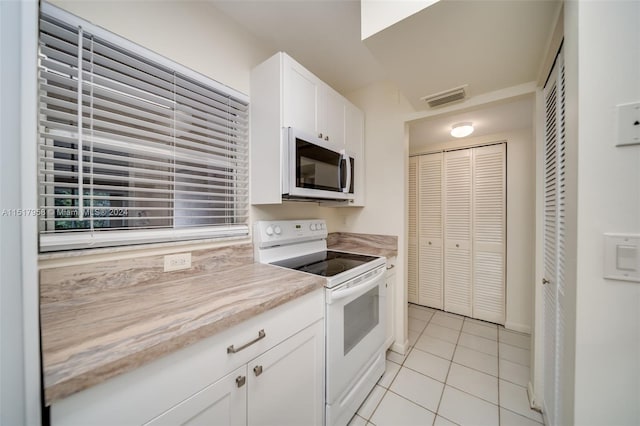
(240, 381)
(232, 350)
(390, 267)
(320, 135)
(545, 281)
(326, 138)
(257, 370)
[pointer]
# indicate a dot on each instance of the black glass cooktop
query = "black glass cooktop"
(327, 263)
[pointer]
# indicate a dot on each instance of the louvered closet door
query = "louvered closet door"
(457, 232)
(489, 233)
(430, 290)
(554, 240)
(412, 272)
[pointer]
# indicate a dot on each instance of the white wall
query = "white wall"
(19, 330)
(386, 153)
(520, 219)
(607, 344)
(376, 15)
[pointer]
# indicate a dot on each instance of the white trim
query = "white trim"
(533, 401)
(97, 31)
(515, 326)
(400, 348)
(86, 240)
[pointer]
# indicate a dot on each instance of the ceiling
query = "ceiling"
(491, 119)
(487, 44)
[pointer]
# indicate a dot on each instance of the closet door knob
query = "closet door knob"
(429, 242)
(457, 245)
(545, 281)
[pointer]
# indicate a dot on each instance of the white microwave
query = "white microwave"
(315, 169)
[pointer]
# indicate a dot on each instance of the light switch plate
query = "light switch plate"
(628, 124)
(622, 257)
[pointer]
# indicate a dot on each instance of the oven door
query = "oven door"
(355, 329)
(317, 169)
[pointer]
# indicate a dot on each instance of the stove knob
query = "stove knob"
(312, 226)
(277, 230)
(269, 231)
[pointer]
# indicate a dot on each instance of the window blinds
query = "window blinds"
(133, 148)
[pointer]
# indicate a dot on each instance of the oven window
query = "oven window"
(360, 317)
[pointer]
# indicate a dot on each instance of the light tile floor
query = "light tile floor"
(458, 371)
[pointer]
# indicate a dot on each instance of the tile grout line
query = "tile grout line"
(447, 375)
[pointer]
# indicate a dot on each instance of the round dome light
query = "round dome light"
(461, 130)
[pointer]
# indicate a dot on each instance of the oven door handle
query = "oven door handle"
(360, 288)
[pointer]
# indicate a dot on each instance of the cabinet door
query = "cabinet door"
(457, 232)
(489, 233)
(301, 97)
(222, 403)
(332, 117)
(430, 289)
(286, 383)
(390, 282)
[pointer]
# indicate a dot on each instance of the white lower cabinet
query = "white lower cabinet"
(224, 403)
(390, 283)
(286, 383)
(271, 379)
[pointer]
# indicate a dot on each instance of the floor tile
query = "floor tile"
(369, 405)
(477, 360)
(447, 321)
(396, 357)
(465, 409)
(474, 382)
(435, 346)
(357, 421)
(514, 398)
(480, 330)
(479, 344)
(514, 338)
(418, 388)
(514, 354)
(441, 421)
(413, 337)
(395, 410)
(514, 373)
(420, 314)
(416, 324)
(509, 418)
(391, 369)
(428, 364)
(442, 333)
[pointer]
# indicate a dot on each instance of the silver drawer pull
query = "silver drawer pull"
(257, 370)
(240, 381)
(232, 350)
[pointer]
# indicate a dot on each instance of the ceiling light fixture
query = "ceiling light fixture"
(460, 130)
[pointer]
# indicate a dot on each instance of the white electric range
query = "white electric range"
(355, 297)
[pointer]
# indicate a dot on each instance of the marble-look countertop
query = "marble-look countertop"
(371, 244)
(100, 334)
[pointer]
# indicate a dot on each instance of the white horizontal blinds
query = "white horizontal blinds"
(457, 232)
(489, 233)
(430, 230)
(160, 150)
(412, 273)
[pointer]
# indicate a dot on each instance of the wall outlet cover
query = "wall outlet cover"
(175, 262)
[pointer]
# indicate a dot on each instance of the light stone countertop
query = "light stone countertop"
(371, 244)
(94, 336)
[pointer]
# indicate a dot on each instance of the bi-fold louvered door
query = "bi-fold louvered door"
(457, 231)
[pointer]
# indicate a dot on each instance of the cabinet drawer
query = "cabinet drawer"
(139, 396)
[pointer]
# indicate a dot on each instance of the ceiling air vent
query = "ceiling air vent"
(448, 96)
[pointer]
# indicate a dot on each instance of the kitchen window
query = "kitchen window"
(133, 148)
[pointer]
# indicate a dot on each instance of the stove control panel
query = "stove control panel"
(268, 233)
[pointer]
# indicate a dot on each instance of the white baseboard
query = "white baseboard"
(400, 348)
(533, 402)
(522, 328)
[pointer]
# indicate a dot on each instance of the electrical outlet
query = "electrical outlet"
(628, 117)
(175, 262)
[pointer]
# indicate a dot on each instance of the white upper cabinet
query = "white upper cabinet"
(285, 94)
